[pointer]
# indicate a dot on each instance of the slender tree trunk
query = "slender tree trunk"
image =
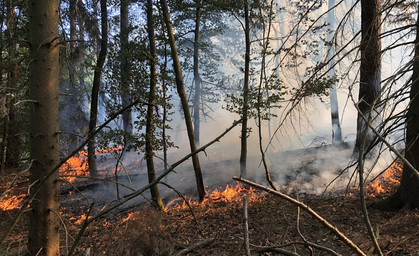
(91, 158)
(5, 118)
(370, 70)
(197, 77)
(4, 136)
(165, 113)
(125, 69)
(407, 196)
(334, 106)
(265, 46)
(43, 238)
(181, 91)
(73, 43)
(243, 149)
(13, 142)
(149, 155)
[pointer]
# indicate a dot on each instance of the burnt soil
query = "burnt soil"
(141, 230)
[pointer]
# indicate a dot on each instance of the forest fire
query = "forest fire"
(75, 166)
(387, 181)
(229, 194)
(78, 166)
(9, 203)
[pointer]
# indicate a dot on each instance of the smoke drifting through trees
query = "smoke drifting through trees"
(284, 67)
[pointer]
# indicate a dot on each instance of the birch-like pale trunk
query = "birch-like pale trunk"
(334, 104)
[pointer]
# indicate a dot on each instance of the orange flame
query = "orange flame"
(229, 194)
(386, 181)
(75, 166)
(8, 203)
(78, 166)
(130, 216)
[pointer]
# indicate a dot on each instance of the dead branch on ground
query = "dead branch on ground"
(325, 223)
(194, 247)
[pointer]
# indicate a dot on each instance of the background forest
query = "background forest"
(132, 117)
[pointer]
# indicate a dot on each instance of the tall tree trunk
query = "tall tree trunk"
(243, 149)
(5, 118)
(181, 91)
(334, 106)
(43, 238)
(13, 142)
(125, 69)
(370, 70)
(149, 155)
(73, 43)
(197, 77)
(407, 196)
(91, 157)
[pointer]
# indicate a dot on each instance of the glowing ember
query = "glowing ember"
(79, 220)
(386, 181)
(130, 216)
(229, 194)
(8, 203)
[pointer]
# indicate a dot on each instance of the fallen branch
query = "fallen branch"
(301, 234)
(351, 244)
(194, 247)
(277, 250)
(315, 246)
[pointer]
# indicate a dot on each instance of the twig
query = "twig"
(362, 189)
(278, 250)
(351, 244)
(395, 151)
(301, 234)
(194, 247)
(83, 228)
(246, 226)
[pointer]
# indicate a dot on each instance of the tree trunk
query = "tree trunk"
(197, 77)
(91, 157)
(4, 128)
(149, 155)
(13, 141)
(73, 43)
(181, 91)
(125, 70)
(370, 70)
(243, 150)
(407, 196)
(43, 238)
(334, 106)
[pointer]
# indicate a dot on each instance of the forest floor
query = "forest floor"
(219, 224)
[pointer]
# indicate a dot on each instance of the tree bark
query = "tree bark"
(370, 70)
(149, 155)
(4, 128)
(197, 77)
(407, 196)
(243, 144)
(13, 141)
(334, 106)
(181, 91)
(91, 157)
(43, 238)
(125, 69)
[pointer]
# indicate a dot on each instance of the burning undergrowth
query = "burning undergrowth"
(162, 234)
